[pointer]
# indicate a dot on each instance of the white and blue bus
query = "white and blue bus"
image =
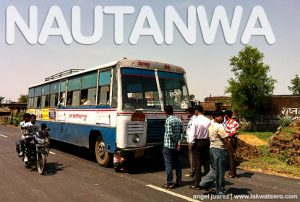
(112, 109)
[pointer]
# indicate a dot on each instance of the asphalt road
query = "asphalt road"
(72, 175)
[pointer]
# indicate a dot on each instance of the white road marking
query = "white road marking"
(3, 136)
(51, 152)
(172, 193)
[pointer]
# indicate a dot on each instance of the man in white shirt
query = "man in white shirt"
(20, 143)
(190, 112)
(200, 139)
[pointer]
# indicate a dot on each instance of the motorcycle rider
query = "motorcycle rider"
(23, 125)
(33, 121)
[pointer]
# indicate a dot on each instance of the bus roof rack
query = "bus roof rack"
(64, 73)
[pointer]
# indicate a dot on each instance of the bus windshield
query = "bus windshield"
(140, 89)
(174, 90)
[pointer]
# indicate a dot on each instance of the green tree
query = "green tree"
(251, 88)
(295, 88)
(23, 99)
(1, 99)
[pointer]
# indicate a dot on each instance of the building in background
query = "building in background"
(281, 104)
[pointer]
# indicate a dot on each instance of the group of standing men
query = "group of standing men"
(211, 142)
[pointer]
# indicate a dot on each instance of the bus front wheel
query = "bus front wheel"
(101, 154)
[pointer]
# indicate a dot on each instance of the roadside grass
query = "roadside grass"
(288, 131)
(272, 169)
(270, 163)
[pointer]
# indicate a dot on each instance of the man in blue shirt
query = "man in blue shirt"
(172, 139)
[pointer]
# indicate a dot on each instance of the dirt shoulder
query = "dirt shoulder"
(252, 140)
(256, 154)
(269, 172)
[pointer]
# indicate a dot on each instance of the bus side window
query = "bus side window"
(104, 93)
(83, 97)
(37, 97)
(76, 98)
(45, 95)
(53, 99)
(88, 96)
(91, 98)
(31, 102)
(62, 96)
(45, 101)
(74, 86)
(54, 90)
(62, 100)
(69, 98)
(104, 87)
(31, 98)
(73, 98)
(37, 102)
(88, 88)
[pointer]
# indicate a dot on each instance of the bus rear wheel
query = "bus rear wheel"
(101, 154)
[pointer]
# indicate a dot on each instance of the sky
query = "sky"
(207, 65)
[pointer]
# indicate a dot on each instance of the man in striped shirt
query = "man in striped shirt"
(172, 140)
(231, 128)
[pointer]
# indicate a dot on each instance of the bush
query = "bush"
(285, 120)
(15, 119)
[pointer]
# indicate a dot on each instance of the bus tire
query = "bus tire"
(102, 156)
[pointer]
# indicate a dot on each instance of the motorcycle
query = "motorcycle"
(36, 148)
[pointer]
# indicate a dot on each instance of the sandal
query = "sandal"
(170, 186)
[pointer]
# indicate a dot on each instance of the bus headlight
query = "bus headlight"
(136, 138)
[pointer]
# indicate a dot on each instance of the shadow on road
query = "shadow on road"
(146, 164)
(152, 161)
(238, 191)
(72, 149)
(231, 190)
(245, 174)
(53, 167)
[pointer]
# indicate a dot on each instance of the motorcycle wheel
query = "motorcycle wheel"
(40, 163)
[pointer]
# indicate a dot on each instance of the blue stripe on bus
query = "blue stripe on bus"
(78, 134)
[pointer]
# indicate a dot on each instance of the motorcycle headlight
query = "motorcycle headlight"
(136, 138)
